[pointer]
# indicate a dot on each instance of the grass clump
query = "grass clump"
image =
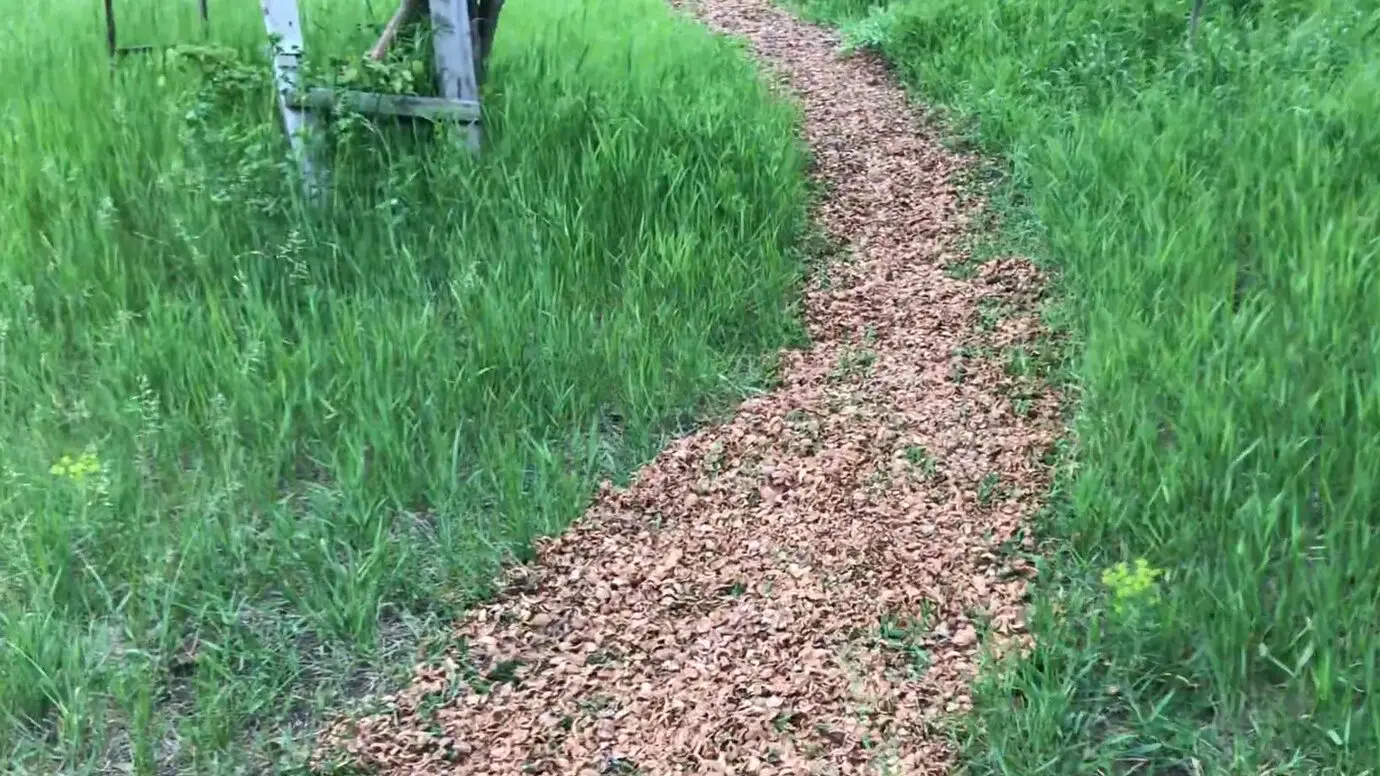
(252, 451)
(1214, 215)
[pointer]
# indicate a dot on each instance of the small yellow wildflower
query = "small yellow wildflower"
(1129, 585)
(76, 468)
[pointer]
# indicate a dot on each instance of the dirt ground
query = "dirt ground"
(804, 588)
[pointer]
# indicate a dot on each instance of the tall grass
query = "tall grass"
(1215, 217)
(297, 440)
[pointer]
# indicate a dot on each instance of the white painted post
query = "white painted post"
(285, 25)
(454, 48)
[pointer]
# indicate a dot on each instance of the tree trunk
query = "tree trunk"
(484, 16)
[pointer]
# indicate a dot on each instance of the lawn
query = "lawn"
(254, 453)
(1212, 214)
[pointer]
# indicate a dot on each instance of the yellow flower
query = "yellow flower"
(1128, 585)
(60, 468)
(77, 468)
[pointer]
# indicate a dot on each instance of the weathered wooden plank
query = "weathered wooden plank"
(285, 29)
(110, 27)
(431, 108)
(454, 56)
(1194, 17)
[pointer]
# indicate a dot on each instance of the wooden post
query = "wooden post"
(285, 31)
(110, 27)
(454, 52)
(461, 41)
(116, 51)
(1194, 18)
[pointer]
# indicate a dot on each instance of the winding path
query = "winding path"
(801, 589)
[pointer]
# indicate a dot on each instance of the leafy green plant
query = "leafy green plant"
(871, 31)
(1132, 587)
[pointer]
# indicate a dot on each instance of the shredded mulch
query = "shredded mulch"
(804, 588)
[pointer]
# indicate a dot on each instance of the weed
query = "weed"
(1019, 363)
(919, 458)
(962, 269)
(620, 766)
(1131, 587)
(853, 363)
(991, 311)
(903, 637)
(989, 489)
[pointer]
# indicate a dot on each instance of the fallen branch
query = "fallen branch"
(407, 11)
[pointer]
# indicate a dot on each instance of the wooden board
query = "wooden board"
(431, 108)
(454, 52)
(283, 23)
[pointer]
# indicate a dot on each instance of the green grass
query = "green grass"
(1214, 219)
(316, 433)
